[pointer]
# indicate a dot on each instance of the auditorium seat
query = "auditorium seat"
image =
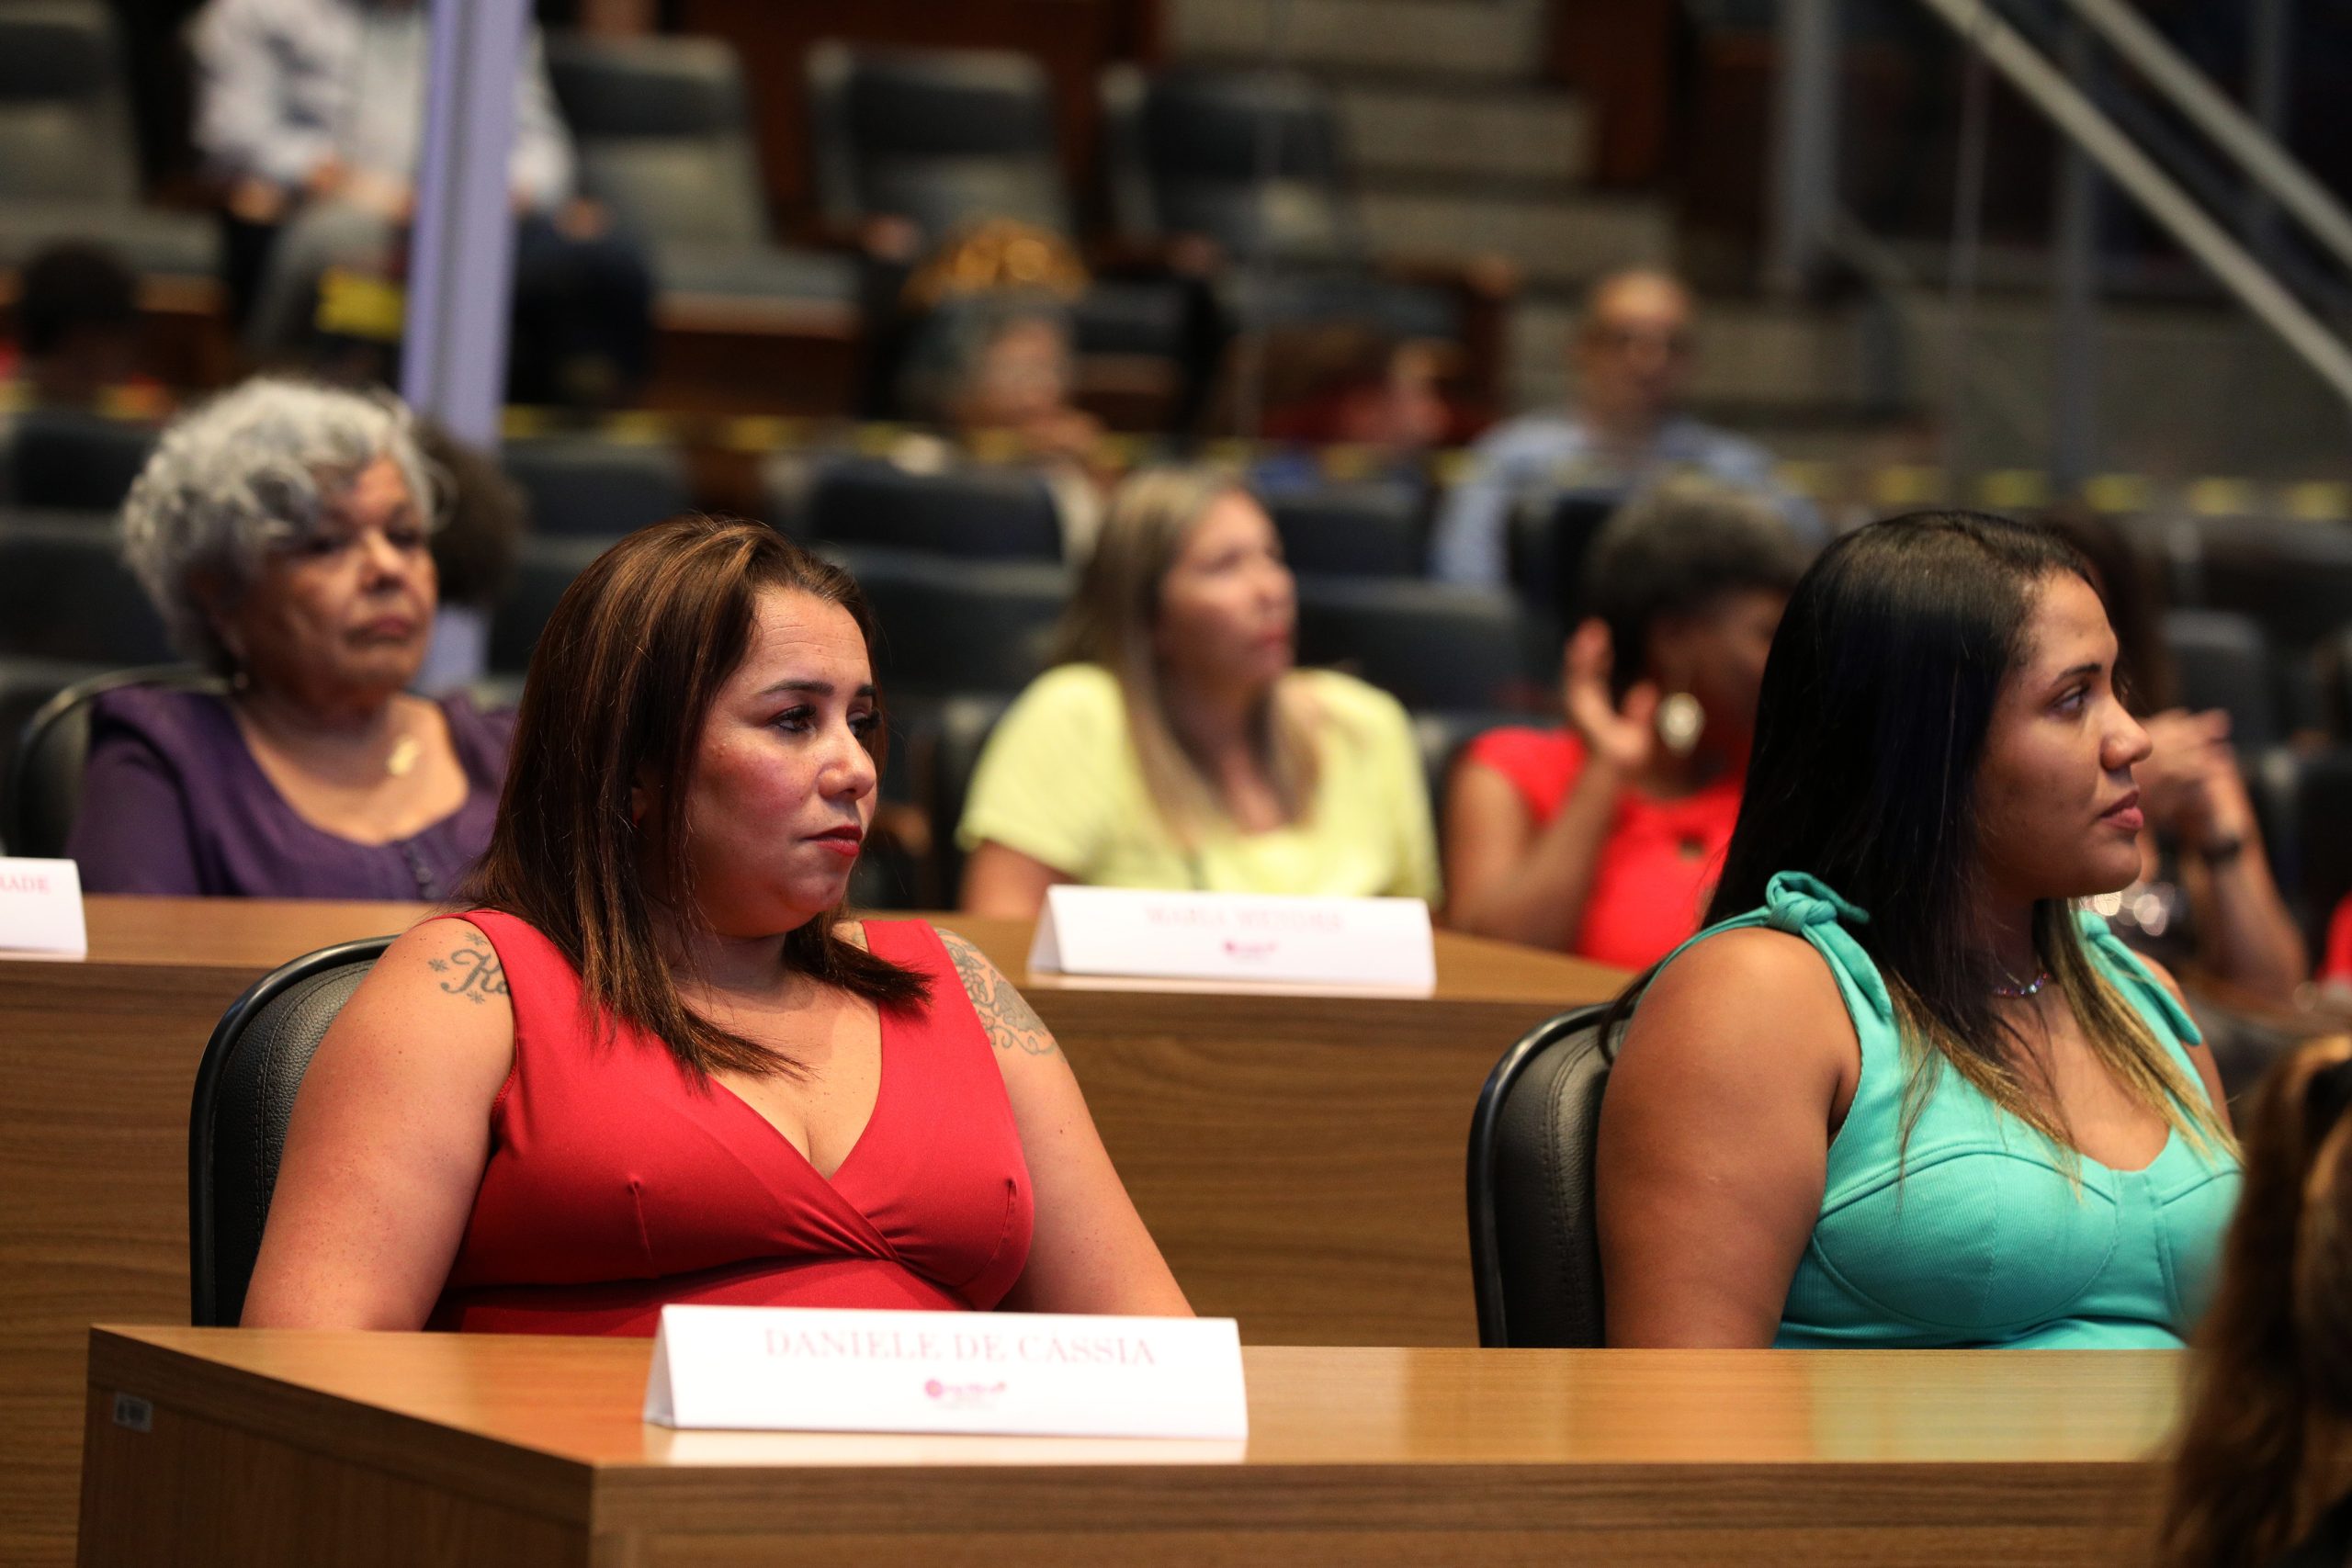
(1550, 538)
(945, 624)
(579, 485)
(64, 459)
(1365, 529)
(544, 568)
(64, 594)
(25, 686)
(69, 163)
(2220, 659)
(665, 139)
(1431, 645)
(948, 744)
(2293, 577)
(1005, 514)
(1534, 1241)
(2303, 800)
(1442, 735)
(43, 795)
(246, 1085)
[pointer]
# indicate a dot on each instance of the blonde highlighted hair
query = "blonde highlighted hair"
(1111, 620)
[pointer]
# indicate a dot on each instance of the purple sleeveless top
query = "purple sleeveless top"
(174, 802)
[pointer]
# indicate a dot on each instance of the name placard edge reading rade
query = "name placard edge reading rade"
(40, 908)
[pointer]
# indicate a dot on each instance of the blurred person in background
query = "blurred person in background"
(311, 113)
(1177, 745)
(282, 531)
(2205, 899)
(1631, 357)
(1347, 384)
(2259, 1476)
(77, 331)
(1603, 837)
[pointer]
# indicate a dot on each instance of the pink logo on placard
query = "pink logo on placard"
(962, 1395)
(1235, 948)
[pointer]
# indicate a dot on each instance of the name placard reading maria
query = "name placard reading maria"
(40, 908)
(1359, 944)
(801, 1370)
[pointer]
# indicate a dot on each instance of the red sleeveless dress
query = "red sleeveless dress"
(616, 1184)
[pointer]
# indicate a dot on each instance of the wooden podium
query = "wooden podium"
(386, 1451)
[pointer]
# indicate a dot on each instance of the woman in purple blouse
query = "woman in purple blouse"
(281, 531)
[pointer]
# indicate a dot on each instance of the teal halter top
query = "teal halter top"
(1973, 1235)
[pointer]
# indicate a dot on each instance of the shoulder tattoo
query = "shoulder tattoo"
(471, 969)
(1012, 1024)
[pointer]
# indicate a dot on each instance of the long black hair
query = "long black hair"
(1870, 727)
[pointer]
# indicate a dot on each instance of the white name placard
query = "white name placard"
(792, 1369)
(40, 908)
(1378, 944)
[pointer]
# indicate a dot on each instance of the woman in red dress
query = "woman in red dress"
(651, 1062)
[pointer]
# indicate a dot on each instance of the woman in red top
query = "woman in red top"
(1604, 838)
(654, 1063)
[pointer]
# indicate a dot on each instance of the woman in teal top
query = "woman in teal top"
(1900, 1093)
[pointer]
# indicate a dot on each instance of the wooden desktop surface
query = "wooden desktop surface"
(274, 1447)
(1298, 1158)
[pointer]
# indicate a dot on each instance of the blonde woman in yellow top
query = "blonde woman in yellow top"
(1176, 744)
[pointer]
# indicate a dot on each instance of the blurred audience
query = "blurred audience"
(1631, 357)
(2258, 1477)
(2204, 899)
(311, 112)
(77, 331)
(282, 532)
(1347, 384)
(1604, 836)
(1176, 745)
(1903, 1092)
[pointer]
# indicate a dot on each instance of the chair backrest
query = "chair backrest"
(957, 730)
(2220, 659)
(65, 131)
(1535, 1244)
(1432, 645)
(64, 594)
(252, 1066)
(65, 460)
(1251, 159)
(1550, 538)
(2293, 577)
(941, 138)
(664, 134)
(1442, 735)
(945, 626)
(544, 568)
(2303, 800)
(1370, 529)
(1000, 513)
(581, 486)
(42, 794)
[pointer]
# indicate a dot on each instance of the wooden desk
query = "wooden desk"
(395, 1449)
(1299, 1158)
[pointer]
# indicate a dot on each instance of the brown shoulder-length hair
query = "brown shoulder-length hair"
(1110, 621)
(620, 686)
(2263, 1444)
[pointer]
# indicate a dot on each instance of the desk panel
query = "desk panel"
(1299, 1158)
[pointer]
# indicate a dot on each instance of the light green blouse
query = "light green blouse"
(1060, 781)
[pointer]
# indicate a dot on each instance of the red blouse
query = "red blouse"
(616, 1184)
(1657, 863)
(2337, 965)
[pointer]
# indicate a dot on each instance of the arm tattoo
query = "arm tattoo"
(474, 965)
(1012, 1024)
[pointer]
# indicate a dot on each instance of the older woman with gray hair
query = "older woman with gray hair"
(281, 530)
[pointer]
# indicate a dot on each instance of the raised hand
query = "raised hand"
(1625, 736)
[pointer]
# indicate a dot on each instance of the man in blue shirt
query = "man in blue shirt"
(1631, 355)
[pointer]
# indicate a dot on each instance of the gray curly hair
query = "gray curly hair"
(245, 473)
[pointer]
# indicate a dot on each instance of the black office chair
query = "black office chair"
(665, 138)
(246, 1085)
(2303, 800)
(64, 594)
(954, 734)
(941, 138)
(579, 485)
(1368, 529)
(2294, 578)
(1431, 645)
(999, 513)
(1535, 1242)
(945, 626)
(544, 568)
(1550, 538)
(26, 687)
(66, 460)
(2220, 659)
(43, 795)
